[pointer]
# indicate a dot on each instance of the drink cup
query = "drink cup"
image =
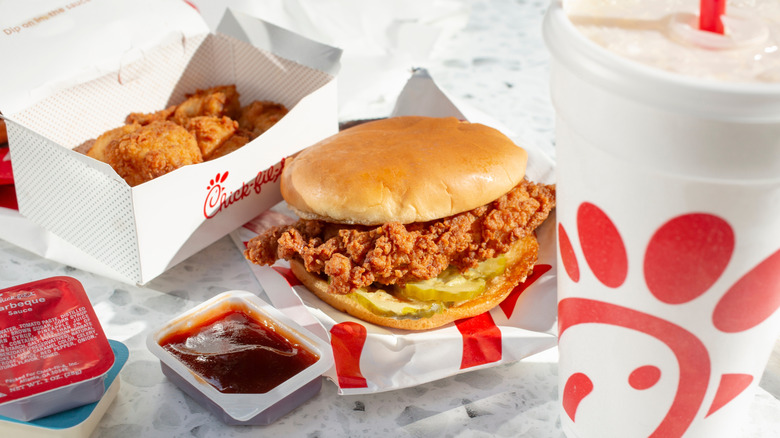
(668, 215)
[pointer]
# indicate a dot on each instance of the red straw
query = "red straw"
(709, 16)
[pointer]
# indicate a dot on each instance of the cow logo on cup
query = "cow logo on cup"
(665, 357)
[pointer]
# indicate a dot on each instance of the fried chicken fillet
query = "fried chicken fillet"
(393, 253)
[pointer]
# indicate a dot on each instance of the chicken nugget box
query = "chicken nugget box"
(81, 67)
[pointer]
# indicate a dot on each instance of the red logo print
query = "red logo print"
(602, 245)
(674, 275)
(347, 340)
(481, 340)
(578, 386)
(509, 304)
(218, 198)
(288, 275)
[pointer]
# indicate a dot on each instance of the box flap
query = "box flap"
(56, 41)
(280, 41)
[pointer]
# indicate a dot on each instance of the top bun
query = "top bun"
(402, 169)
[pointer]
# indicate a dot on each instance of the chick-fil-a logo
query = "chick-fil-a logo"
(218, 198)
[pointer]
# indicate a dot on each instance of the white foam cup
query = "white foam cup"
(668, 210)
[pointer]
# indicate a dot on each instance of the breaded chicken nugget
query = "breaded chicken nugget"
(236, 141)
(98, 149)
(217, 101)
(259, 116)
(211, 132)
(147, 118)
(151, 151)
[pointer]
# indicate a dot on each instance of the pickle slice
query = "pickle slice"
(458, 288)
(382, 303)
(452, 286)
(489, 268)
(422, 299)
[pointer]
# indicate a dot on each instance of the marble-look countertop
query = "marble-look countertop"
(497, 63)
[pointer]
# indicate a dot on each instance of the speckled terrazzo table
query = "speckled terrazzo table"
(498, 64)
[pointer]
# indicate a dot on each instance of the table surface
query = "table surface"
(497, 63)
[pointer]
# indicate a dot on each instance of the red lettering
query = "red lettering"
(213, 201)
(272, 174)
(218, 199)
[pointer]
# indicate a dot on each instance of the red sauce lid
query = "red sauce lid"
(50, 337)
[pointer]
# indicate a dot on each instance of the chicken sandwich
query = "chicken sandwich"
(409, 222)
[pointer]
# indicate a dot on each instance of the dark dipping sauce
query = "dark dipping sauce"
(237, 353)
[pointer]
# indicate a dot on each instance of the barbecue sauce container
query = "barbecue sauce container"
(54, 355)
(242, 359)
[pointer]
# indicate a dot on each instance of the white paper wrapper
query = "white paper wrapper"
(371, 358)
(380, 39)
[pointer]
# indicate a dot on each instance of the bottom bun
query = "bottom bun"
(520, 260)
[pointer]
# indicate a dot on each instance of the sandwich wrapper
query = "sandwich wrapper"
(371, 358)
(380, 39)
(98, 61)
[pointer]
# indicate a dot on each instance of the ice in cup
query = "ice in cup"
(668, 186)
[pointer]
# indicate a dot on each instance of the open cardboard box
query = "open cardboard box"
(139, 232)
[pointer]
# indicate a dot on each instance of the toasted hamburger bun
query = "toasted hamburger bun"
(520, 262)
(429, 168)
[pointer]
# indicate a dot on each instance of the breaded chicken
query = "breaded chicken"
(217, 101)
(259, 116)
(98, 149)
(355, 256)
(211, 132)
(147, 118)
(209, 118)
(151, 151)
(236, 141)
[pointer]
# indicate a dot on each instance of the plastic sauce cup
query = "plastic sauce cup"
(54, 355)
(78, 422)
(275, 364)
